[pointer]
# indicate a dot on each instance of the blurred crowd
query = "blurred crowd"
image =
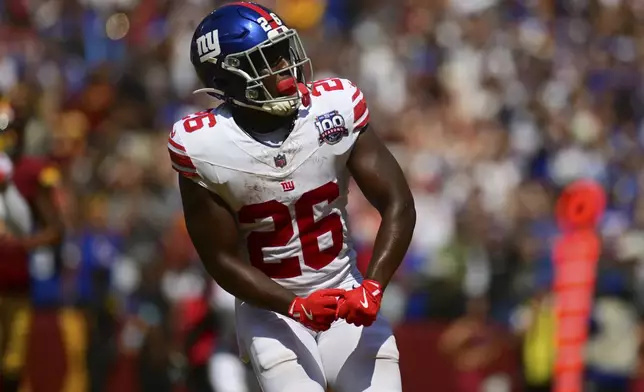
(490, 106)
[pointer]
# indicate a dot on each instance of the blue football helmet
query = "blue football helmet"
(237, 46)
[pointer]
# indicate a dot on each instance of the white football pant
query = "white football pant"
(288, 357)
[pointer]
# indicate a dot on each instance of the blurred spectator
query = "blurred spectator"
(148, 329)
(32, 232)
(613, 347)
(472, 343)
(534, 323)
(200, 335)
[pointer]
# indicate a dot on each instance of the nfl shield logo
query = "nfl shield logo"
(280, 160)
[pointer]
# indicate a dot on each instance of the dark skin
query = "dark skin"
(378, 176)
(219, 251)
(383, 183)
(252, 120)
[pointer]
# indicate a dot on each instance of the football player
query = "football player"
(264, 180)
(31, 222)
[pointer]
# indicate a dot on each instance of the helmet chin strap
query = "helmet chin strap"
(281, 108)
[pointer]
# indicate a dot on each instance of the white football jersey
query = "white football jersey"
(290, 201)
(15, 214)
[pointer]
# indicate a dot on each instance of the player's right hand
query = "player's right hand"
(318, 310)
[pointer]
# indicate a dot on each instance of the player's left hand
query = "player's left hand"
(360, 306)
(317, 311)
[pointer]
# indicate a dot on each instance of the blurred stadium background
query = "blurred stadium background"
(491, 106)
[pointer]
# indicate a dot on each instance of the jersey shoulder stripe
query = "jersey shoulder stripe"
(361, 115)
(180, 159)
(337, 90)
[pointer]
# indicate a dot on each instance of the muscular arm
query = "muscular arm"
(383, 183)
(214, 233)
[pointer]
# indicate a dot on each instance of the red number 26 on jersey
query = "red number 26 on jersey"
(309, 232)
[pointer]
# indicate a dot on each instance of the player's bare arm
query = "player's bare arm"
(214, 234)
(213, 230)
(383, 183)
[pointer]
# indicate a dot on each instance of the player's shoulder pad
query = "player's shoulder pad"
(346, 97)
(186, 138)
(359, 107)
(181, 161)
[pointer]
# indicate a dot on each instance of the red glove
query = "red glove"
(360, 306)
(318, 310)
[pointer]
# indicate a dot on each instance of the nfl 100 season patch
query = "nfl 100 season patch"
(332, 127)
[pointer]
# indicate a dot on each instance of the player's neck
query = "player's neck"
(251, 120)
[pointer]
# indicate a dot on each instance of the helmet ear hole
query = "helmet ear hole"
(252, 94)
(235, 85)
